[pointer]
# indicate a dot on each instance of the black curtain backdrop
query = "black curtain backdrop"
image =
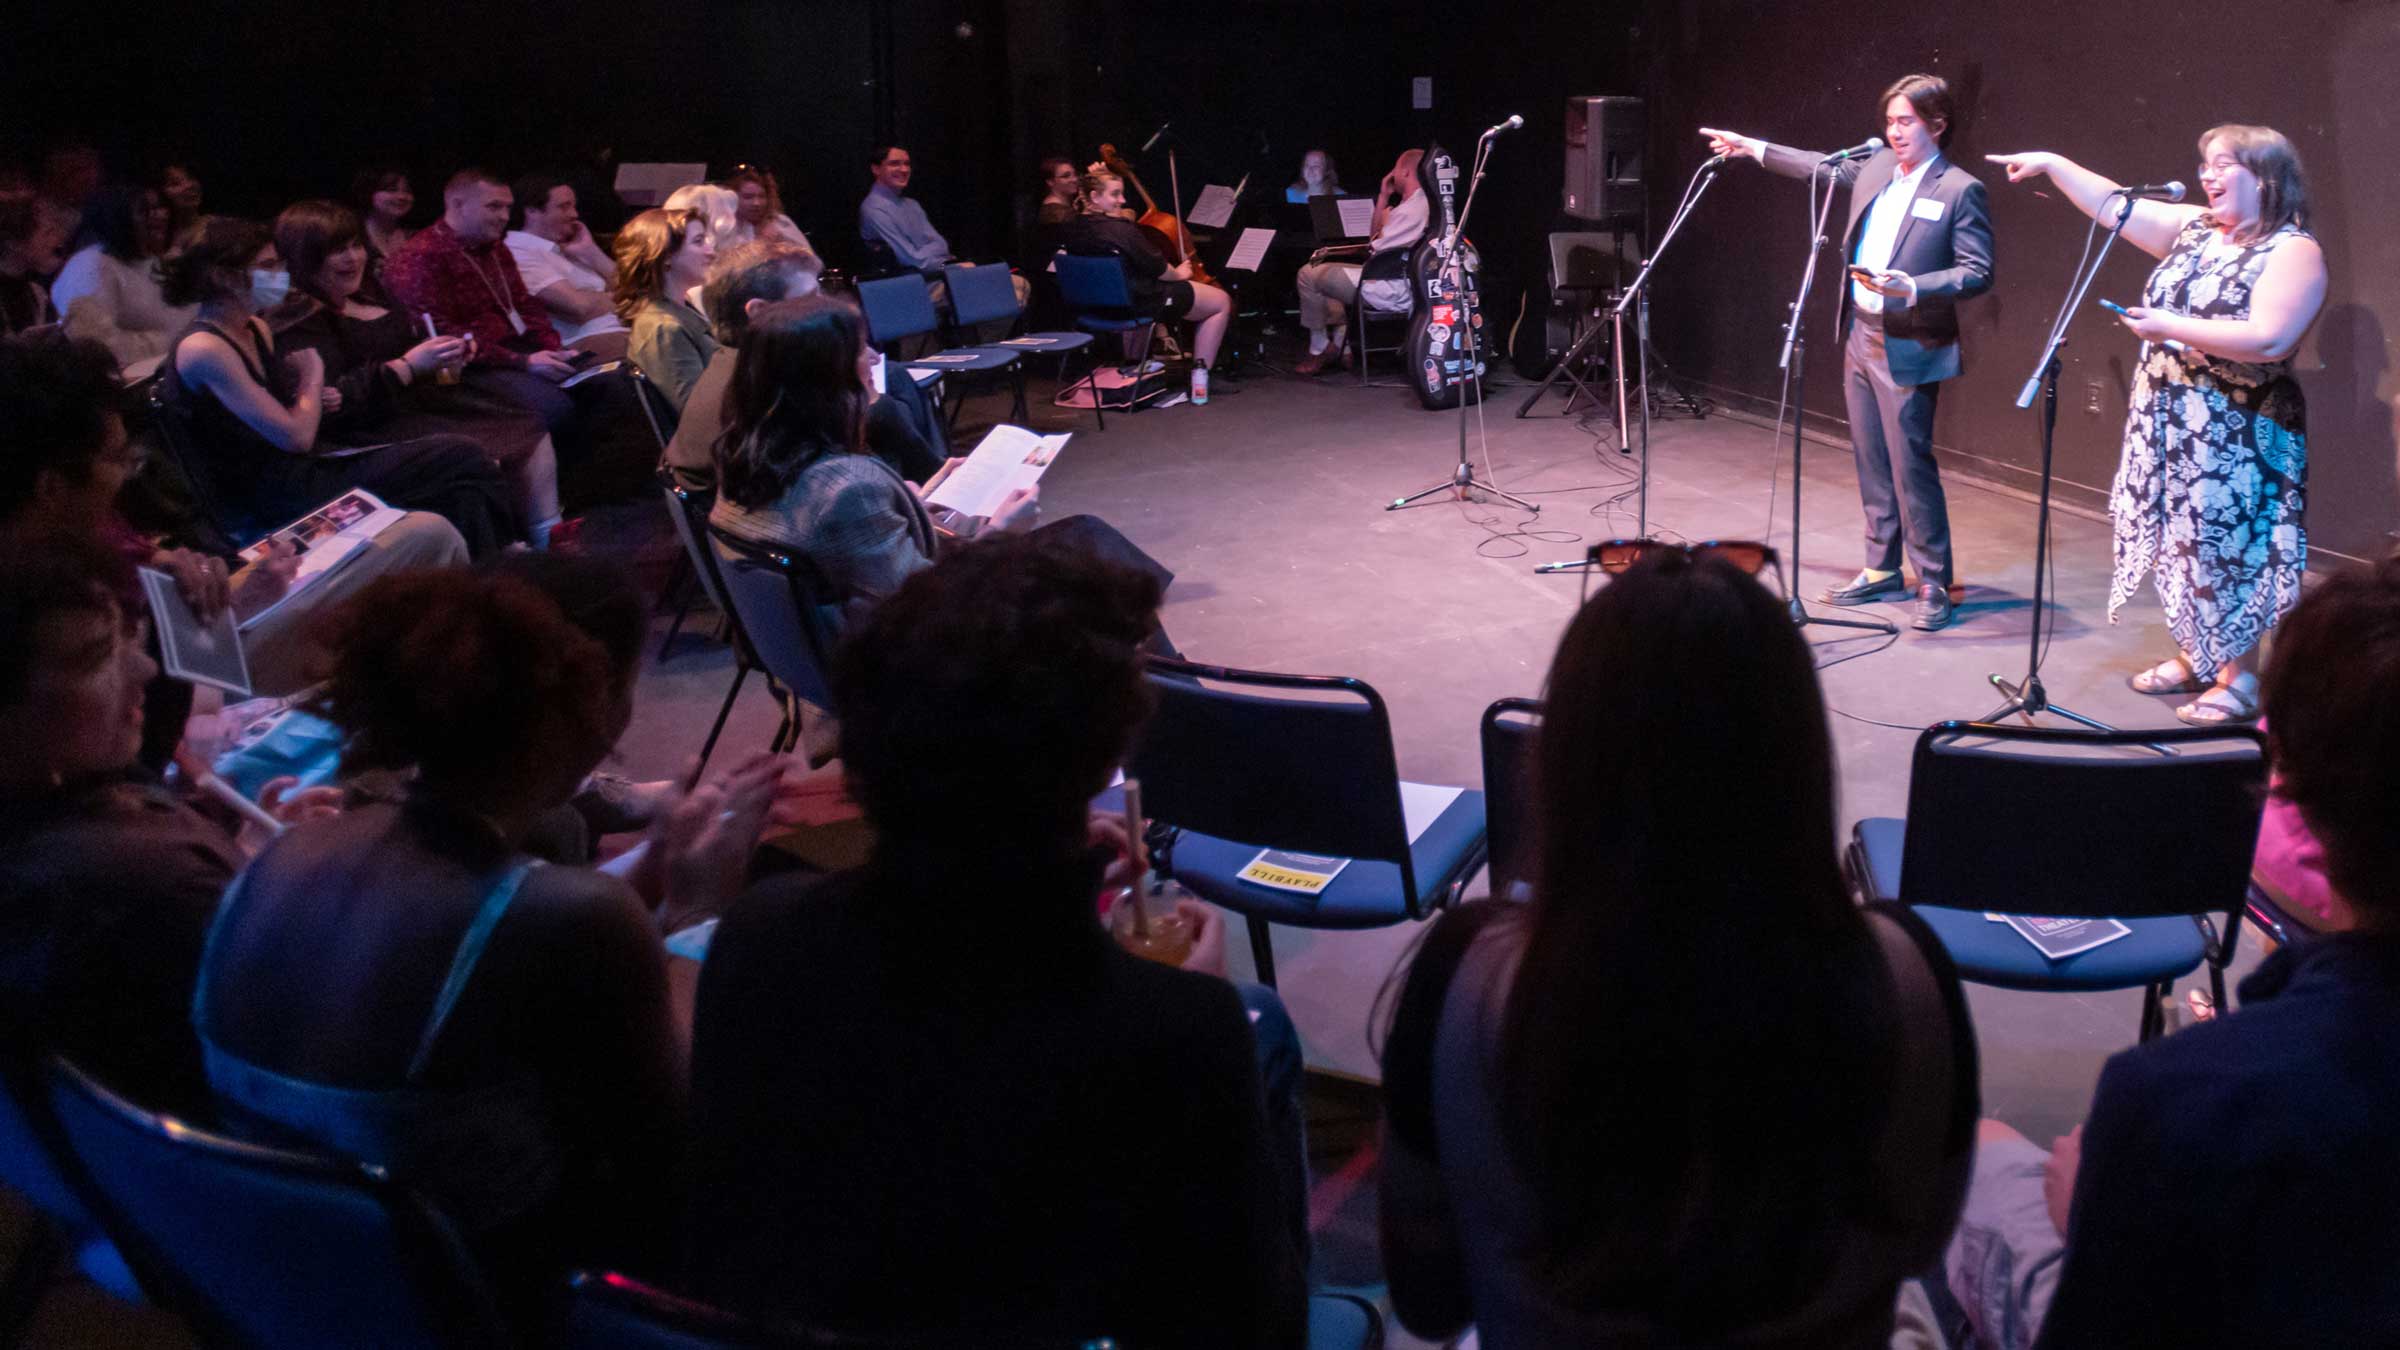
(276, 100)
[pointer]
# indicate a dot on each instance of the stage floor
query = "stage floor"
(1269, 505)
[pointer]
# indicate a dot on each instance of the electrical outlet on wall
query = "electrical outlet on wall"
(2091, 397)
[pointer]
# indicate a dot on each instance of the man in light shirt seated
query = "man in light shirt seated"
(565, 268)
(890, 217)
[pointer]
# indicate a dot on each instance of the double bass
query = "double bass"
(1445, 317)
(1165, 228)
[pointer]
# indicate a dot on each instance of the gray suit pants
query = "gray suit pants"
(1891, 433)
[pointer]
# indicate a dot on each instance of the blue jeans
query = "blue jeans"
(1279, 1074)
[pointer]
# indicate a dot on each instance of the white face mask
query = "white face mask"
(268, 288)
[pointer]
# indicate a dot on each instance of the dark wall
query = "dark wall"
(2123, 89)
(279, 100)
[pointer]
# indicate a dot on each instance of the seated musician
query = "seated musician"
(1158, 288)
(1401, 216)
(1318, 178)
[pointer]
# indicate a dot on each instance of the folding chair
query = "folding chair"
(689, 515)
(65, 1232)
(981, 295)
(899, 308)
(791, 618)
(2154, 829)
(267, 1248)
(1098, 291)
(1389, 265)
(1507, 733)
(1235, 761)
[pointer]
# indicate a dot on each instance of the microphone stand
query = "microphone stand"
(1795, 381)
(1638, 291)
(1463, 481)
(2027, 698)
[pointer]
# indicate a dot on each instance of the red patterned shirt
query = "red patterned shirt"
(470, 289)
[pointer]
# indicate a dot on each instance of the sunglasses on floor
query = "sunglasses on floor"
(1617, 555)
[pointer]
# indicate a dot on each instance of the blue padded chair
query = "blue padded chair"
(899, 308)
(1239, 760)
(1098, 291)
(35, 1163)
(981, 295)
(1507, 733)
(791, 618)
(266, 1248)
(614, 1312)
(2075, 824)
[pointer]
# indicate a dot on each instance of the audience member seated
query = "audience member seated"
(1061, 183)
(1318, 178)
(179, 188)
(2233, 1183)
(67, 459)
(1325, 287)
(793, 469)
(383, 198)
(109, 290)
(930, 1095)
(717, 209)
(29, 250)
(1158, 288)
(1689, 1094)
(107, 878)
(254, 415)
(740, 282)
(662, 257)
(760, 215)
(891, 217)
(404, 985)
(384, 376)
(458, 271)
(565, 268)
(71, 175)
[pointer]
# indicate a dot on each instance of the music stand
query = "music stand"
(1589, 263)
(1325, 215)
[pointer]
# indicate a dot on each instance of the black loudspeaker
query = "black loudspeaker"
(1607, 142)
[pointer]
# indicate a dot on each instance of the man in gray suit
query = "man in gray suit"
(1918, 242)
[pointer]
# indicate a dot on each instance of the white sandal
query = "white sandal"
(2171, 676)
(2222, 705)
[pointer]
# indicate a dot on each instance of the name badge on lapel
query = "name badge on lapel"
(1928, 208)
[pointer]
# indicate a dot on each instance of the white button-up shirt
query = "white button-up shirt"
(1884, 219)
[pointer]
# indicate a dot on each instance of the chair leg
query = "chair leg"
(686, 582)
(1262, 949)
(741, 672)
(1018, 412)
(2153, 1016)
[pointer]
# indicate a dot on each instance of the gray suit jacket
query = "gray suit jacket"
(1951, 259)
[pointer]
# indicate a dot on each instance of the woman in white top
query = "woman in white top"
(1325, 287)
(759, 210)
(109, 291)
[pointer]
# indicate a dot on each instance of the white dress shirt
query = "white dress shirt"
(543, 265)
(1882, 235)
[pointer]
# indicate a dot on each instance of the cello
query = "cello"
(1165, 228)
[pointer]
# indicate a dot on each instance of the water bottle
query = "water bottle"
(1199, 385)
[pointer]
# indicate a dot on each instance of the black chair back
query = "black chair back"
(980, 295)
(2079, 824)
(788, 613)
(1508, 733)
(689, 515)
(1301, 762)
(657, 409)
(267, 1248)
(614, 1312)
(186, 466)
(876, 259)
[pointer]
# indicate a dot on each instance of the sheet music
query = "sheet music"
(1213, 209)
(1251, 251)
(1358, 216)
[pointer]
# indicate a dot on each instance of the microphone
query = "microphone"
(1859, 151)
(2165, 192)
(1162, 130)
(1514, 121)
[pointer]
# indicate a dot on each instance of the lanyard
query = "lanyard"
(498, 293)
